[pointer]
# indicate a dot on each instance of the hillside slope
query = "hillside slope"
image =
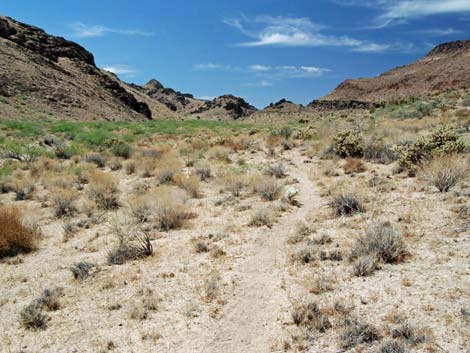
(445, 67)
(41, 74)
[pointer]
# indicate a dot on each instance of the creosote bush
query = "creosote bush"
(348, 144)
(15, 236)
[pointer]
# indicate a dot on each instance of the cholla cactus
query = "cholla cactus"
(349, 144)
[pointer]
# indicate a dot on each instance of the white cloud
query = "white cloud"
(80, 30)
(399, 11)
(402, 10)
(260, 68)
(297, 32)
(442, 32)
(212, 67)
(121, 70)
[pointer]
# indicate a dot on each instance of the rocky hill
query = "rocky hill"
(43, 74)
(226, 107)
(445, 67)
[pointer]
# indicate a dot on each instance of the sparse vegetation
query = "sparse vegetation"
(444, 172)
(346, 205)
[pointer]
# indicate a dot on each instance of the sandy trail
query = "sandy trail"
(254, 317)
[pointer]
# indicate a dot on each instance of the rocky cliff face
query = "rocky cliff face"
(445, 67)
(59, 77)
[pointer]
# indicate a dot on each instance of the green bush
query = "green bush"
(121, 149)
(443, 140)
(348, 144)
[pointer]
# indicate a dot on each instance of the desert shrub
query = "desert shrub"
(82, 270)
(234, 184)
(104, 190)
(32, 317)
(365, 265)
(412, 334)
(354, 165)
(261, 217)
(191, 185)
(141, 207)
(269, 189)
(170, 211)
(443, 140)
(115, 164)
(304, 256)
(132, 245)
(64, 201)
(348, 144)
(122, 149)
(23, 189)
(130, 167)
(392, 347)
(284, 132)
(15, 236)
(49, 299)
(167, 169)
(286, 145)
(203, 171)
(150, 153)
(96, 159)
(311, 316)
(377, 151)
(444, 172)
(357, 332)
(346, 205)
(381, 241)
(276, 170)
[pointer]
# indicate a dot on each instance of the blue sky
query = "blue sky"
(262, 50)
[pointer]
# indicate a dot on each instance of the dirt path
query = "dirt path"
(259, 307)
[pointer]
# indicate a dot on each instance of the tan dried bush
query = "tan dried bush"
(445, 171)
(15, 235)
(104, 190)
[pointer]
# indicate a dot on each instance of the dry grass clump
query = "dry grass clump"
(166, 170)
(130, 167)
(23, 188)
(32, 316)
(269, 189)
(82, 270)
(115, 164)
(261, 217)
(311, 316)
(354, 165)
(132, 245)
(357, 332)
(304, 256)
(141, 207)
(412, 334)
(276, 170)
(203, 171)
(380, 243)
(64, 201)
(170, 211)
(392, 347)
(234, 183)
(104, 190)
(346, 205)
(444, 172)
(190, 184)
(15, 236)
